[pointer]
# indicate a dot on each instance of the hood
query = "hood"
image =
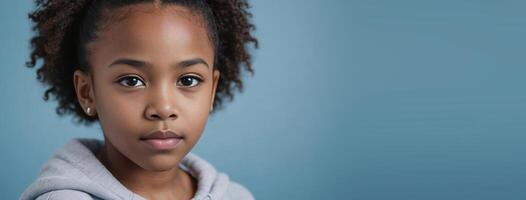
(75, 167)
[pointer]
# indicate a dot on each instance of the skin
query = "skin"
(161, 40)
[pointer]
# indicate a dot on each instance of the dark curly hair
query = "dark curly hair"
(63, 28)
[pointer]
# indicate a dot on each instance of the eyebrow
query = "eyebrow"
(142, 64)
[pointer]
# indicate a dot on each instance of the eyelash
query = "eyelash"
(120, 80)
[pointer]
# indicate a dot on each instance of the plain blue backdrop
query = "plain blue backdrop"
(350, 100)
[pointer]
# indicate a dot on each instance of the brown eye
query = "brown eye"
(189, 81)
(131, 81)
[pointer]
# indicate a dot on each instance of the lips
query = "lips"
(162, 140)
(160, 134)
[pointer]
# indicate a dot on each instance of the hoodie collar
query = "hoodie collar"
(75, 167)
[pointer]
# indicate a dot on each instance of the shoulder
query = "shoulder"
(237, 191)
(64, 195)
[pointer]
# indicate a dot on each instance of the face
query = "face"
(152, 70)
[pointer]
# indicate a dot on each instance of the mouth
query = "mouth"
(162, 139)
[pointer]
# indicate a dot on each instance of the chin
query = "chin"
(161, 163)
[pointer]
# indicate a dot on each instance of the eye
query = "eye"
(131, 81)
(189, 81)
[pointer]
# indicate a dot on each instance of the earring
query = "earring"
(88, 111)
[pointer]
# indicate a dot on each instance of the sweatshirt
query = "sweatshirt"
(75, 173)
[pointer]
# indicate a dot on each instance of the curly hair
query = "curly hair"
(63, 28)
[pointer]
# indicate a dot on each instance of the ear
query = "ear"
(84, 91)
(214, 87)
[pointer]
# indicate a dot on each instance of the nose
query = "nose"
(162, 106)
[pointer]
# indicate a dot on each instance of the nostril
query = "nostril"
(158, 117)
(160, 113)
(154, 116)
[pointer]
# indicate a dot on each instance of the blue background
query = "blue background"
(350, 100)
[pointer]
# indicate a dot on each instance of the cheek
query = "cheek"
(195, 111)
(118, 110)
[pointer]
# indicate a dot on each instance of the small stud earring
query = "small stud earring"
(88, 110)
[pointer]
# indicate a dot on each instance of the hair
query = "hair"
(63, 28)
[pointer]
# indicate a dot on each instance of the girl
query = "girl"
(150, 72)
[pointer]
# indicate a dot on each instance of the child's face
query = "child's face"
(167, 45)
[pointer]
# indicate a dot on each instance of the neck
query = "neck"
(169, 184)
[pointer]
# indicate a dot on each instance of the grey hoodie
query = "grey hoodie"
(75, 173)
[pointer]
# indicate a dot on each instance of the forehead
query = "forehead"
(111, 16)
(150, 30)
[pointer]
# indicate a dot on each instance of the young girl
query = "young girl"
(150, 72)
